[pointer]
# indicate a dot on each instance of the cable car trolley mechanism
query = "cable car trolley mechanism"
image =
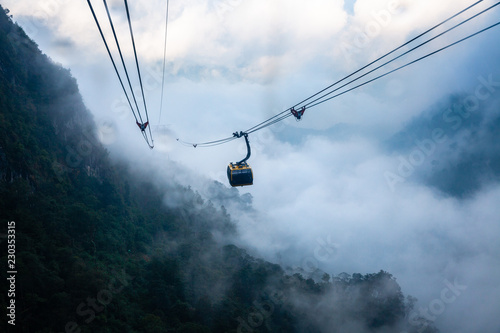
(240, 173)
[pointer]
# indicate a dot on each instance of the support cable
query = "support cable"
(164, 62)
(151, 145)
(123, 61)
(112, 60)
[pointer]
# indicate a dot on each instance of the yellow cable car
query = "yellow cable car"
(240, 173)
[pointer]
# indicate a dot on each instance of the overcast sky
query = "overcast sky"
(400, 175)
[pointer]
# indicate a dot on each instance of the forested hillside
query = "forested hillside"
(97, 250)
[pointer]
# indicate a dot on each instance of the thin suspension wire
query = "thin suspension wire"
(208, 144)
(116, 69)
(136, 60)
(403, 54)
(164, 62)
(277, 120)
(364, 67)
(252, 129)
(111, 57)
(408, 64)
(151, 145)
(121, 57)
(220, 143)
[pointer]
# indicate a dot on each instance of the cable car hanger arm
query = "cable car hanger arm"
(249, 151)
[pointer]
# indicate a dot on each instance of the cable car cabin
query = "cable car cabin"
(239, 174)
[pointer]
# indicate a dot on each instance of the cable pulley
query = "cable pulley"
(298, 113)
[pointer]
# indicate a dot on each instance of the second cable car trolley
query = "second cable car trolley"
(240, 173)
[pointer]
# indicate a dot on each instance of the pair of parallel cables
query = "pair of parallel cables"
(142, 122)
(332, 91)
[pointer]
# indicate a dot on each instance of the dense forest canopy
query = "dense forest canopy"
(97, 250)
